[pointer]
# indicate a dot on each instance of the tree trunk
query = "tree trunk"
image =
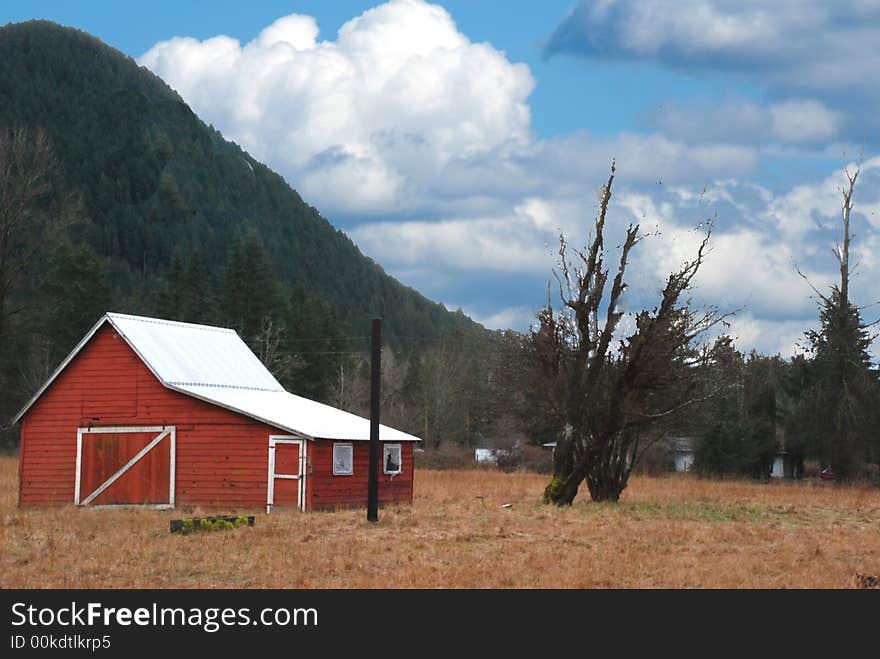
(604, 487)
(605, 484)
(563, 487)
(2, 310)
(562, 490)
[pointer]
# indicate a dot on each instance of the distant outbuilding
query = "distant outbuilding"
(150, 412)
(490, 451)
(683, 452)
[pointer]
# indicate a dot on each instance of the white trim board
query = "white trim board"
(343, 445)
(387, 446)
(164, 431)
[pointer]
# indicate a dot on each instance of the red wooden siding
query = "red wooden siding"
(286, 493)
(326, 491)
(221, 456)
(287, 459)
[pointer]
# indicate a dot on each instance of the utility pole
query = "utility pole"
(375, 381)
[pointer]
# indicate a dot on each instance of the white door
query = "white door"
(287, 473)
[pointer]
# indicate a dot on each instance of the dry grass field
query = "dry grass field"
(674, 532)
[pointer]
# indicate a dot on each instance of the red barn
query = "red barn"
(161, 413)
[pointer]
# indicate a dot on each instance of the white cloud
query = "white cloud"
(392, 101)
(811, 207)
(769, 336)
(760, 239)
(518, 242)
(824, 52)
(809, 44)
(744, 121)
(403, 115)
(516, 317)
(803, 121)
(422, 138)
(649, 158)
(745, 268)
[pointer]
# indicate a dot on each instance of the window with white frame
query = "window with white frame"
(343, 460)
(392, 459)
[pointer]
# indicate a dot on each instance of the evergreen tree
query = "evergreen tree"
(250, 287)
(170, 297)
(76, 294)
(843, 389)
(315, 341)
(187, 292)
(197, 295)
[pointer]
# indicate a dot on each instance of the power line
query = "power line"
(334, 352)
(330, 338)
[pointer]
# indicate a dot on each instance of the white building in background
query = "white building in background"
(780, 466)
(683, 452)
(486, 456)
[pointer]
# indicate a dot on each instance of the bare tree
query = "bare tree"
(35, 366)
(610, 402)
(842, 252)
(268, 344)
(32, 208)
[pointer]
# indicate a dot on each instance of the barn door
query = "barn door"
(287, 474)
(128, 466)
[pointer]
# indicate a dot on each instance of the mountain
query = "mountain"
(145, 209)
(156, 181)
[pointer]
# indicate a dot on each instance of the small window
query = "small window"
(343, 460)
(391, 459)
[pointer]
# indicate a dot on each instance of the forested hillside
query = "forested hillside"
(138, 206)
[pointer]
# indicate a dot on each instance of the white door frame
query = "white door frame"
(164, 431)
(274, 440)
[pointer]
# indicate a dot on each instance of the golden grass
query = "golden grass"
(675, 532)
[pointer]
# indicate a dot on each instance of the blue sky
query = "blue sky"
(521, 29)
(466, 134)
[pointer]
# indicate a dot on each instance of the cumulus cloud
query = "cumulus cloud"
(770, 336)
(398, 96)
(404, 114)
(524, 241)
(420, 140)
(745, 267)
(814, 207)
(760, 241)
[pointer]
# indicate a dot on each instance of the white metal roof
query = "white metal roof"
(185, 354)
(215, 365)
(296, 414)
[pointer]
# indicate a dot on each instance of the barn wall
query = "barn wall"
(222, 457)
(326, 491)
